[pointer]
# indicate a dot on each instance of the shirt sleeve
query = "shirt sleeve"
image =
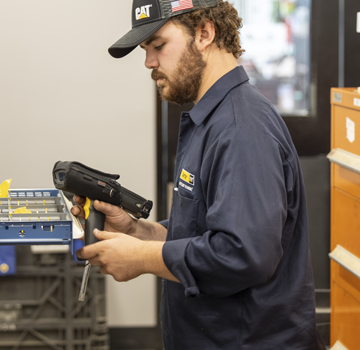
(246, 196)
(164, 223)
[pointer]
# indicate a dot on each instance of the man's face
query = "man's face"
(176, 62)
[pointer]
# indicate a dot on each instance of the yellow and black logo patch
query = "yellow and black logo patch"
(187, 177)
(187, 181)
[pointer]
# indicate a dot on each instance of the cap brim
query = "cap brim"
(134, 37)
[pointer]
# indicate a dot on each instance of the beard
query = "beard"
(184, 85)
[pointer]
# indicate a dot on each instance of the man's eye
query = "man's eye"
(159, 47)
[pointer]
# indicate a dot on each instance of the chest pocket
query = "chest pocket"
(183, 217)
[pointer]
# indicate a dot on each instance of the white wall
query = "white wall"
(63, 97)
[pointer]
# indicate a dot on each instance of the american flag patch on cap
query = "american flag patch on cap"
(181, 5)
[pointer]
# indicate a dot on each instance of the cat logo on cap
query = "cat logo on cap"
(142, 12)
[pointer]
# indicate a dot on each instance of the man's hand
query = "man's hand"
(125, 257)
(116, 219)
(116, 254)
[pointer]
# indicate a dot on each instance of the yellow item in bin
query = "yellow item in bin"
(4, 188)
(22, 210)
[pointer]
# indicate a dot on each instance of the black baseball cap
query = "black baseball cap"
(148, 16)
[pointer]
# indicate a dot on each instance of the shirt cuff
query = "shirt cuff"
(174, 253)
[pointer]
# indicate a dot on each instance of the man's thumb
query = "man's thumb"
(103, 235)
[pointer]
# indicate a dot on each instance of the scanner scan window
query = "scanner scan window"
(276, 39)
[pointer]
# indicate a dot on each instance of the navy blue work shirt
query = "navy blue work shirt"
(238, 233)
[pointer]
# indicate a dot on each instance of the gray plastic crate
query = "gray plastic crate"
(39, 307)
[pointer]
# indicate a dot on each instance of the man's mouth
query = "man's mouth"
(157, 76)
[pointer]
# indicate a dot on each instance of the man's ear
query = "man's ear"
(205, 36)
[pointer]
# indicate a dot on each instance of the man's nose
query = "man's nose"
(151, 61)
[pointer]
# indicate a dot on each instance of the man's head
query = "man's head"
(148, 16)
(177, 46)
(176, 62)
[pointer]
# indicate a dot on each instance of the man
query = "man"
(236, 264)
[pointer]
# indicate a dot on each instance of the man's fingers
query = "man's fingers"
(89, 252)
(78, 211)
(107, 209)
(104, 235)
(79, 200)
(103, 270)
(95, 261)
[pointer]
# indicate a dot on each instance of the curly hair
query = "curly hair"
(227, 24)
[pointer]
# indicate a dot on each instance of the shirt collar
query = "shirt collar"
(217, 93)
